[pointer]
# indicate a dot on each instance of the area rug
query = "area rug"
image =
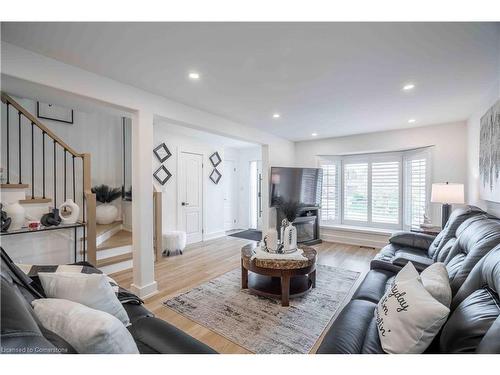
(250, 234)
(261, 324)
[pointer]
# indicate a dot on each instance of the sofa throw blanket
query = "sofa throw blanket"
(123, 295)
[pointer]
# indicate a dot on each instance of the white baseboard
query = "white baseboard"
(145, 291)
(213, 235)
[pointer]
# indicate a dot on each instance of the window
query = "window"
(329, 195)
(386, 190)
(356, 192)
(417, 187)
(385, 183)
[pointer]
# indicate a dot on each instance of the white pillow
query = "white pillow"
(92, 290)
(88, 330)
(436, 281)
(408, 317)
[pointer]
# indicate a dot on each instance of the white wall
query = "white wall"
(243, 157)
(213, 195)
(449, 156)
(473, 125)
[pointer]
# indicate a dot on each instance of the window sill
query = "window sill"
(357, 229)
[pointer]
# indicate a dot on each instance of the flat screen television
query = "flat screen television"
(302, 185)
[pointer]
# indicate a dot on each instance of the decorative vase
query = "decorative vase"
(16, 212)
(289, 238)
(106, 213)
(271, 240)
(69, 212)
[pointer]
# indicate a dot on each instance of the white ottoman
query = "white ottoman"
(173, 241)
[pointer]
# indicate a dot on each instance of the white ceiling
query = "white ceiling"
(331, 78)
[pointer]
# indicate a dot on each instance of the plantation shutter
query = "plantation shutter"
(356, 191)
(417, 188)
(330, 191)
(385, 192)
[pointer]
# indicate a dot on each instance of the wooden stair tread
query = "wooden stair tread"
(113, 260)
(103, 228)
(122, 238)
(35, 200)
(14, 186)
(100, 229)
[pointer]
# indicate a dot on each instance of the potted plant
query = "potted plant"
(106, 213)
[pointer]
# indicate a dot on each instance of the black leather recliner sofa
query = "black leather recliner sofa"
(422, 249)
(355, 331)
(22, 333)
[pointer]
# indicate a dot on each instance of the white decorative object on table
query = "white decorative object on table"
(173, 241)
(271, 240)
(288, 236)
(106, 213)
(17, 213)
(69, 212)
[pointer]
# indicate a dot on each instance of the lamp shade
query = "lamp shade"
(447, 193)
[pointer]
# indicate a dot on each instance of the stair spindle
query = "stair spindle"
(20, 151)
(43, 164)
(55, 175)
(74, 180)
(32, 161)
(65, 178)
(8, 145)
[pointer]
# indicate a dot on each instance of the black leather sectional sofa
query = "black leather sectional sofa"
(22, 333)
(469, 246)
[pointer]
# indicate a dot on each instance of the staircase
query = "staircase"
(42, 171)
(114, 247)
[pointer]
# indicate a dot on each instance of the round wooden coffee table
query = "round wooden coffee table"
(285, 279)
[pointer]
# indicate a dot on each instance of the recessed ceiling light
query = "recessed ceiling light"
(276, 115)
(194, 76)
(409, 86)
(314, 134)
(412, 121)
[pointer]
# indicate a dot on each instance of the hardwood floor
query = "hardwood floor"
(204, 261)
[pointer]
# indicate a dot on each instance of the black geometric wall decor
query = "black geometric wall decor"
(215, 176)
(162, 175)
(215, 159)
(162, 152)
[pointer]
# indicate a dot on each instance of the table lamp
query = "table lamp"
(447, 194)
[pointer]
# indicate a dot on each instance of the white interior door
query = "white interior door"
(230, 195)
(190, 202)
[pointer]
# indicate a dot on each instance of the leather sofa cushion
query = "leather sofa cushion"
(411, 239)
(469, 322)
(153, 336)
(19, 330)
(420, 261)
(354, 331)
(374, 285)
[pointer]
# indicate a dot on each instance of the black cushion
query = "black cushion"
(153, 335)
(348, 333)
(374, 285)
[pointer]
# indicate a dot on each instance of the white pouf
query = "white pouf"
(174, 241)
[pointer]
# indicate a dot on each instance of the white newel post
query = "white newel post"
(144, 283)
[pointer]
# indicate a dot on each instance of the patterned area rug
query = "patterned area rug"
(260, 324)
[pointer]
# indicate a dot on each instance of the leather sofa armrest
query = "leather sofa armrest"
(416, 240)
(420, 262)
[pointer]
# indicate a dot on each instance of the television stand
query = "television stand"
(307, 224)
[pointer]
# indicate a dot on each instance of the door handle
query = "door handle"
(185, 203)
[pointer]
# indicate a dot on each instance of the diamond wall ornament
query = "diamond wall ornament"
(215, 176)
(162, 175)
(162, 152)
(215, 159)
